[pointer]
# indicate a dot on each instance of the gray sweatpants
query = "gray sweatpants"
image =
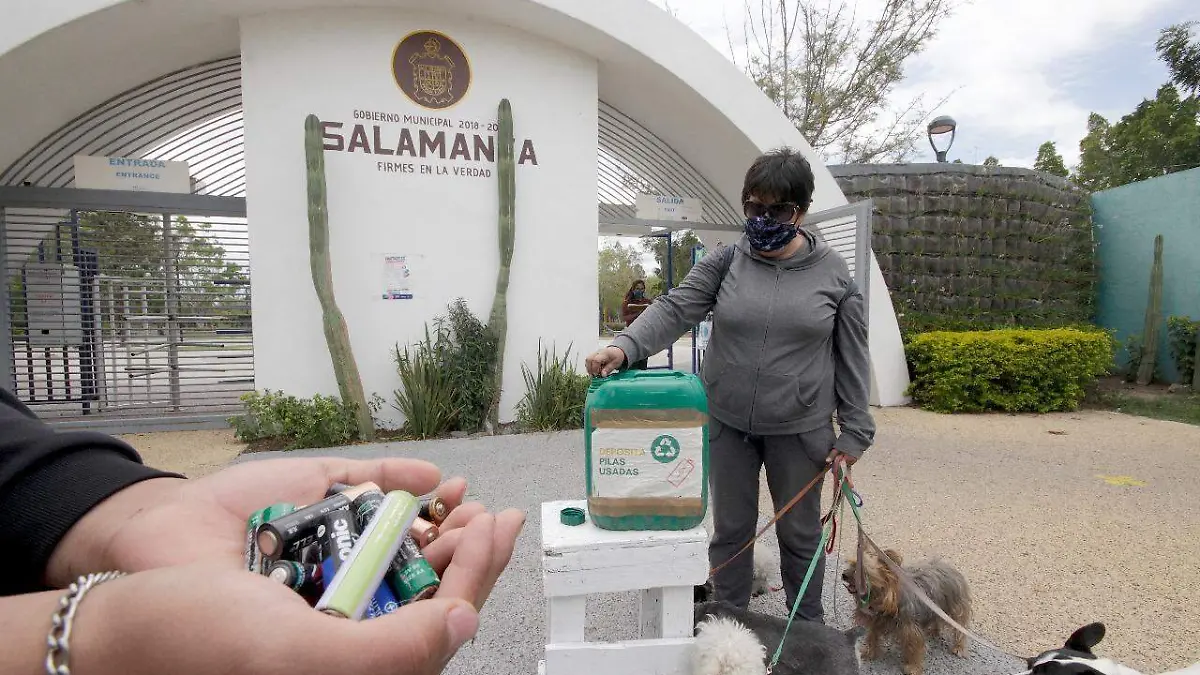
(792, 461)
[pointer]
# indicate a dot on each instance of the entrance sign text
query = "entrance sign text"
(127, 173)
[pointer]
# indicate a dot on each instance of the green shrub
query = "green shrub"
(1009, 370)
(317, 422)
(446, 380)
(468, 353)
(554, 394)
(426, 396)
(1131, 351)
(1181, 336)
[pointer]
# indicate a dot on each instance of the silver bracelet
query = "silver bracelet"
(58, 656)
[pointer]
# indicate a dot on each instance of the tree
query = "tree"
(1095, 162)
(619, 266)
(655, 286)
(1161, 136)
(1049, 161)
(131, 251)
(1181, 52)
(831, 73)
(130, 247)
(681, 261)
(991, 161)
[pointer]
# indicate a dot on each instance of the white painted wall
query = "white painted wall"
(648, 65)
(311, 62)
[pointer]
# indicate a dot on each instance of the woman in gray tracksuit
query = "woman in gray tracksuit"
(788, 350)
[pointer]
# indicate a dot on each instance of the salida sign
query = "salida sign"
(433, 72)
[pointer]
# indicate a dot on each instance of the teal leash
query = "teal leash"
(812, 567)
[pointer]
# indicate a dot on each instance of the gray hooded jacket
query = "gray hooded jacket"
(788, 345)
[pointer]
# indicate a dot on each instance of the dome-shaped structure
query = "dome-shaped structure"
(609, 99)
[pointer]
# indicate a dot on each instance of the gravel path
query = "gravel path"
(1056, 520)
(191, 453)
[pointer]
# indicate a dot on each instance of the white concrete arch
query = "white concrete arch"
(59, 59)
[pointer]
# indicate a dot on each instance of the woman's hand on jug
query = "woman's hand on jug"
(604, 362)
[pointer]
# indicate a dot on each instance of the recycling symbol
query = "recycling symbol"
(665, 449)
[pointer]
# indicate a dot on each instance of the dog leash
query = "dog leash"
(779, 514)
(812, 566)
(913, 588)
(864, 540)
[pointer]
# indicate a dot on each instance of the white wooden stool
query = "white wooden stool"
(581, 560)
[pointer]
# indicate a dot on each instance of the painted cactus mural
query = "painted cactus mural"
(337, 334)
(506, 177)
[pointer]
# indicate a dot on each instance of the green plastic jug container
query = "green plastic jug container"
(646, 441)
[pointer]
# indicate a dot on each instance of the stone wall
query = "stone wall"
(972, 247)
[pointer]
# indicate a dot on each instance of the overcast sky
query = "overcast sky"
(1018, 72)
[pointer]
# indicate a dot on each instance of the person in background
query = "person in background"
(632, 306)
(788, 350)
(80, 502)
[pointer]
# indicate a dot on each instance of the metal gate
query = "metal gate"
(125, 311)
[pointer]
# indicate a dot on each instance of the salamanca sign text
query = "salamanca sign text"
(419, 143)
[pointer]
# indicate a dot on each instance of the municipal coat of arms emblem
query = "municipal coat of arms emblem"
(431, 69)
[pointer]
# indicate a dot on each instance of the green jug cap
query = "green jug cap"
(571, 516)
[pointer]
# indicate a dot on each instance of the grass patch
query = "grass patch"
(1173, 407)
(1154, 401)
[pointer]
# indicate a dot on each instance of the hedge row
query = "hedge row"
(1006, 370)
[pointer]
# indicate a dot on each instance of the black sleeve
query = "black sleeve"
(48, 481)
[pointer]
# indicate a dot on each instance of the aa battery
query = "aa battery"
(294, 575)
(411, 575)
(253, 557)
(276, 535)
(311, 554)
(337, 533)
(336, 488)
(367, 503)
(433, 509)
(383, 602)
(255, 560)
(423, 532)
(357, 580)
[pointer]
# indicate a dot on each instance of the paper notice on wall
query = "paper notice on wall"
(397, 278)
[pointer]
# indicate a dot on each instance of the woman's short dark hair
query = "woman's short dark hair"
(782, 175)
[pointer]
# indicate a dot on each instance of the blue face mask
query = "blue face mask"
(767, 235)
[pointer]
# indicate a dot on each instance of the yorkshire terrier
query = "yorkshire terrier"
(893, 612)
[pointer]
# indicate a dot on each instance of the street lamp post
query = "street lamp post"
(940, 126)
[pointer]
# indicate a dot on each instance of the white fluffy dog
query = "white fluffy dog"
(725, 647)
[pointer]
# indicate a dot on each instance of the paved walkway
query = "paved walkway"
(1056, 520)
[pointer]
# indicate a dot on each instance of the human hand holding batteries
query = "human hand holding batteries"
(171, 522)
(207, 618)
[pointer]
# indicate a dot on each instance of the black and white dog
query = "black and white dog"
(1076, 658)
(735, 641)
